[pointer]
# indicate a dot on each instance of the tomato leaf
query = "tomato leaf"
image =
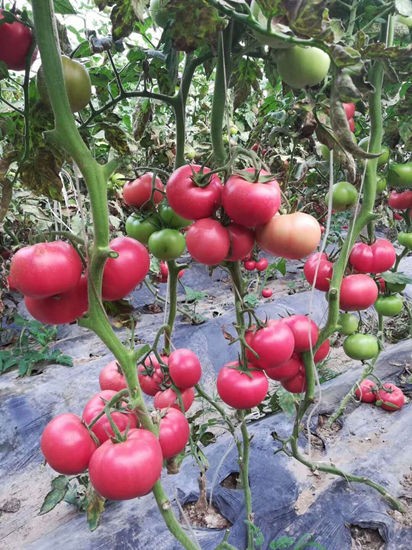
(60, 486)
(63, 7)
(95, 508)
(400, 278)
(286, 401)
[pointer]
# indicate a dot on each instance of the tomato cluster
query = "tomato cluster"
(388, 396)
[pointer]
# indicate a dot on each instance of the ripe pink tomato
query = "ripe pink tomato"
(400, 201)
(318, 271)
(141, 191)
(292, 236)
(323, 352)
(111, 377)
(169, 398)
(375, 258)
(250, 201)
(288, 369)
(267, 292)
(390, 398)
(239, 389)
(242, 241)
(366, 391)
(305, 331)
(15, 42)
(351, 122)
(174, 432)
(249, 265)
(358, 292)
(185, 370)
(45, 269)
(189, 200)
(150, 374)
(349, 110)
(102, 428)
(297, 384)
(273, 343)
(67, 445)
(262, 264)
(122, 274)
(60, 308)
(207, 241)
(127, 469)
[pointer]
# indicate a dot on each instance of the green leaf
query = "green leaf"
(63, 7)
(397, 277)
(286, 402)
(94, 509)
(281, 543)
(60, 485)
(193, 295)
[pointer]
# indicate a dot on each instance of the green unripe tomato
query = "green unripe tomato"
(400, 175)
(141, 228)
(381, 184)
(76, 80)
(389, 306)
(344, 195)
(361, 346)
(302, 66)
(166, 244)
(348, 323)
(405, 239)
(159, 12)
(384, 156)
(171, 219)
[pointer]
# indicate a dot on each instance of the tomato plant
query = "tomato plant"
(143, 190)
(357, 292)
(389, 306)
(389, 397)
(166, 244)
(344, 195)
(366, 391)
(174, 432)
(318, 271)
(361, 346)
(207, 241)
(305, 331)
(182, 400)
(240, 389)
(375, 258)
(140, 228)
(400, 200)
(302, 66)
(16, 40)
(184, 368)
(151, 375)
(111, 377)
(348, 323)
(288, 369)
(400, 175)
(272, 344)
(242, 241)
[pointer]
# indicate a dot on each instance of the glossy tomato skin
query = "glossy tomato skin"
(122, 274)
(144, 190)
(274, 344)
(400, 175)
(111, 377)
(190, 200)
(357, 292)
(45, 269)
(344, 195)
(366, 391)
(262, 264)
(207, 241)
(128, 469)
(400, 201)
(185, 370)
(375, 258)
(62, 308)
(348, 323)
(15, 42)
(291, 236)
(151, 375)
(322, 352)
(305, 331)
(318, 271)
(405, 239)
(166, 244)
(288, 369)
(297, 384)
(241, 390)
(67, 445)
(361, 346)
(174, 432)
(242, 241)
(390, 397)
(250, 203)
(141, 228)
(169, 398)
(102, 428)
(300, 66)
(389, 306)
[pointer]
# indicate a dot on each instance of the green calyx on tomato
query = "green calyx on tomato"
(400, 175)
(76, 80)
(389, 306)
(361, 346)
(166, 244)
(344, 195)
(405, 239)
(140, 228)
(302, 66)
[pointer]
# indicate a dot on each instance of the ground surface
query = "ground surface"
(288, 498)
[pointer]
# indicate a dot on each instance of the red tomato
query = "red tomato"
(249, 265)
(375, 258)
(288, 369)
(174, 432)
(128, 469)
(207, 241)
(323, 352)
(141, 191)
(297, 384)
(122, 274)
(262, 264)
(349, 110)
(241, 390)
(61, 308)
(318, 271)
(190, 200)
(67, 445)
(250, 203)
(169, 398)
(111, 377)
(273, 343)
(292, 236)
(305, 331)
(267, 292)
(357, 292)
(400, 201)
(390, 397)
(45, 269)
(366, 391)
(102, 428)
(242, 241)
(151, 375)
(15, 43)
(184, 368)
(351, 122)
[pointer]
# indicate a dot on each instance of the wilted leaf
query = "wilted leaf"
(40, 172)
(60, 485)
(142, 116)
(94, 509)
(123, 19)
(309, 18)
